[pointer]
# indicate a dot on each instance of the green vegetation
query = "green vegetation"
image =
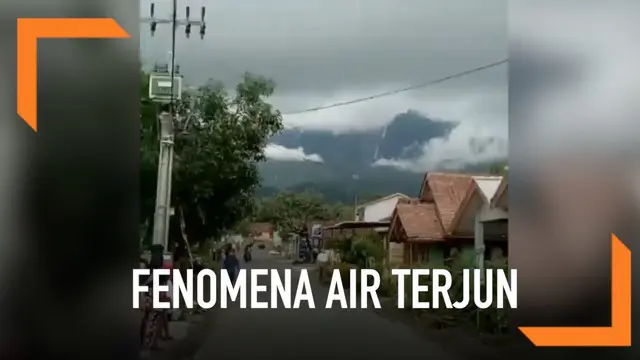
(292, 213)
(499, 168)
(487, 321)
(340, 186)
(361, 250)
(366, 251)
(220, 140)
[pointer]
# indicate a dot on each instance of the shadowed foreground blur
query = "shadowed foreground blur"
(574, 154)
(68, 193)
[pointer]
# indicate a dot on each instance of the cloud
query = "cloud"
(481, 136)
(457, 105)
(482, 133)
(452, 154)
(277, 152)
(324, 51)
(320, 47)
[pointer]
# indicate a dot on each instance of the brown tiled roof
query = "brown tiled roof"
(449, 191)
(420, 221)
(409, 201)
(261, 227)
(471, 191)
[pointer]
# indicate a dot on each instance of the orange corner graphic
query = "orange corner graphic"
(29, 30)
(616, 335)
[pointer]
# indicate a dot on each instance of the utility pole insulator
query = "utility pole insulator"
(186, 22)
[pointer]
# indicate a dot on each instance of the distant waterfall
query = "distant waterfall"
(384, 133)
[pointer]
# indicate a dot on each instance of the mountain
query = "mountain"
(346, 170)
(339, 187)
(355, 151)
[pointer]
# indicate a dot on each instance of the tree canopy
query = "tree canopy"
(219, 140)
(499, 168)
(291, 212)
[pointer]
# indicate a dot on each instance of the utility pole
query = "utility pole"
(163, 190)
(165, 87)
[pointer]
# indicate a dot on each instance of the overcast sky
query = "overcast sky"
(325, 51)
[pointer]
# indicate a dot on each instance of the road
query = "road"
(281, 333)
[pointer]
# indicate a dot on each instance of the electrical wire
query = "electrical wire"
(401, 90)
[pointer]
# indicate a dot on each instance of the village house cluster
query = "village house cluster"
(456, 218)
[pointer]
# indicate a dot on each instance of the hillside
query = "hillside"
(341, 187)
(346, 170)
(355, 151)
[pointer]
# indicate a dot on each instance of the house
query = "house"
(262, 231)
(318, 225)
(441, 224)
(352, 228)
(501, 197)
(375, 216)
(413, 223)
(480, 211)
(315, 231)
(379, 209)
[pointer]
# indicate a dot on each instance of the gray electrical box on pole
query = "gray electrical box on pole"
(160, 87)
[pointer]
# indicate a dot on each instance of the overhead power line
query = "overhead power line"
(397, 91)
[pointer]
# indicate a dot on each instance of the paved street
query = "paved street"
(337, 333)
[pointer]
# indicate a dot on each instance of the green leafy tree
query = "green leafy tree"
(242, 227)
(341, 212)
(500, 168)
(219, 141)
(291, 212)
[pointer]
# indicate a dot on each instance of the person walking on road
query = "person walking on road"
(144, 301)
(231, 264)
(154, 324)
(166, 316)
(247, 253)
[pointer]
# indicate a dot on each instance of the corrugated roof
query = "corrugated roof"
(400, 195)
(357, 225)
